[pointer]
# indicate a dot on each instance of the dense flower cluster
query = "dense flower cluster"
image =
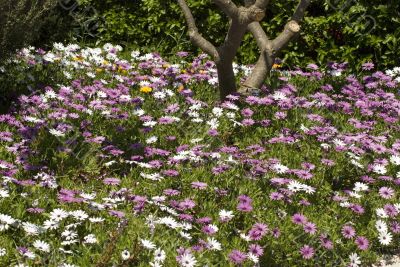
(133, 160)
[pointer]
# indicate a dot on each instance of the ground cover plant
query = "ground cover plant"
(127, 159)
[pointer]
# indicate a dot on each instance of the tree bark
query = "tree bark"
(270, 48)
(259, 73)
(226, 78)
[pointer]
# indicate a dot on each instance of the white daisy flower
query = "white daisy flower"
(56, 133)
(397, 206)
(168, 221)
(385, 238)
(395, 159)
(7, 219)
(41, 245)
(279, 168)
(245, 237)
(360, 187)
(217, 111)
(187, 260)
(58, 215)
(147, 244)
(381, 226)
(149, 123)
(96, 219)
(79, 215)
(381, 213)
(90, 239)
(69, 235)
(379, 169)
(51, 224)
(4, 193)
(88, 196)
(252, 257)
(213, 244)
(159, 255)
(185, 235)
(30, 255)
(354, 260)
(151, 140)
(295, 186)
(225, 215)
(279, 96)
(125, 255)
(30, 228)
(3, 252)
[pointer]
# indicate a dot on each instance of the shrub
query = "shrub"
(332, 31)
(21, 22)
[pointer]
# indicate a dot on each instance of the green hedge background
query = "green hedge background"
(336, 30)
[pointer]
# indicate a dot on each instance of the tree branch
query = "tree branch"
(232, 40)
(252, 13)
(300, 10)
(228, 7)
(292, 28)
(258, 74)
(258, 10)
(265, 60)
(261, 4)
(259, 34)
(195, 37)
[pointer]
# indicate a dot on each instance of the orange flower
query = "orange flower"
(276, 66)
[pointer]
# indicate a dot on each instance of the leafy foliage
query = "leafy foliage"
(336, 30)
(21, 22)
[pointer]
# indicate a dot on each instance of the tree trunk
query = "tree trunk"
(226, 78)
(258, 74)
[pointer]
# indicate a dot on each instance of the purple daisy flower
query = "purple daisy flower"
(310, 228)
(348, 231)
(299, 218)
(307, 252)
(237, 257)
(256, 250)
(362, 242)
(386, 192)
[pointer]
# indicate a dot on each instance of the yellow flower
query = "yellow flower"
(181, 87)
(145, 89)
(77, 58)
(105, 62)
(276, 66)
(99, 70)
